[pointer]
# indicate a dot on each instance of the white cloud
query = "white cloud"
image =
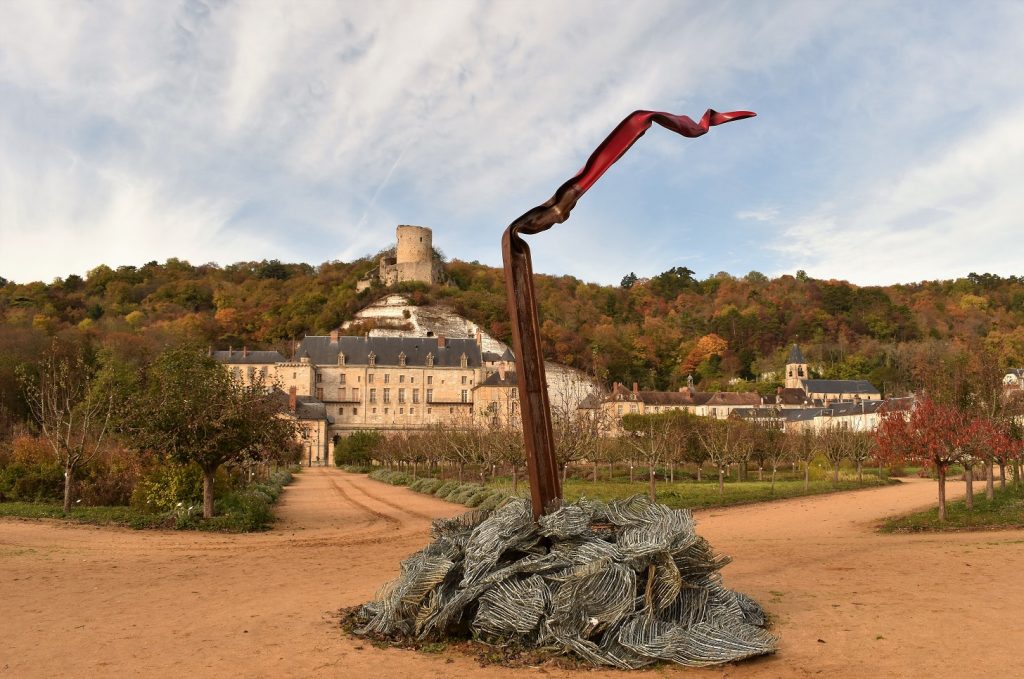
(937, 217)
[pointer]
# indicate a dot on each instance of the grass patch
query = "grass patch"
(239, 511)
(695, 495)
(1005, 511)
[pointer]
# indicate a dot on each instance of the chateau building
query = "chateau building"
(380, 383)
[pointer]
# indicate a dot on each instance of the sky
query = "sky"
(888, 146)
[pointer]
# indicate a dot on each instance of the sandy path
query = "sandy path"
(85, 601)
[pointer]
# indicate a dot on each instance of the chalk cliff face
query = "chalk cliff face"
(394, 316)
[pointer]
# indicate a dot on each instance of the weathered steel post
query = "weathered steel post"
(545, 486)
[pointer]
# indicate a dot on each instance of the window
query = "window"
(463, 361)
(374, 411)
(387, 378)
(355, 411)
(385, 411)
(319, 377)
(251, 372)
(465, 396)
(295, 375)
(415, 395)
(371, 358)
(412, 378)
(373, 396)
(341, 358)
(430, 379)
(451, 411)
(369, 378)
(428, 411)
(341, 378)
(430, 395)
(319, 394)
(401, 411)
(619, 407)
(464, 379)
(401, 378)
(341, 393)
(401, 359)
(430, 361)
(341, 411)
(387, 395)
(401, 395)
(263, 371)
(632, 407)
(355, 393)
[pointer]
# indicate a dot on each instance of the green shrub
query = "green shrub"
(357, 468)
(445, 488)
(492, 502)
(477, 498)
(32, 481)
(169, 485)
(428, 486)
(380, 474)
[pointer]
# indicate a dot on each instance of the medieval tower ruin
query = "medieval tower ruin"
(413, 261)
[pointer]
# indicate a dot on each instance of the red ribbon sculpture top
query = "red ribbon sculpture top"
(545, 485)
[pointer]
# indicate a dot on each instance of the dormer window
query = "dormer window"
(341, 358)
(430, 360)
(401, 359)
(371, 358)
(463, 361)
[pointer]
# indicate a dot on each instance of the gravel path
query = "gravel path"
(847, 602)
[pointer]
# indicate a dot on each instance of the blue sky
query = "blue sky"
(888, 147)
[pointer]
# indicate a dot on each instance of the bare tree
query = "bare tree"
(725, 442)
(651, 436)
(861, 448)
(72, 418)
(835, 446)
(770, 444)
(803, 446)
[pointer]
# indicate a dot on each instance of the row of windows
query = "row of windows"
(370, 377)
(401, 411)
(371, 359)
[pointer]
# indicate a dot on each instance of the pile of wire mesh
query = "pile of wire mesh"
(626, 583)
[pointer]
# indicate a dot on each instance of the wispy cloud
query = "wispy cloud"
(223, 131)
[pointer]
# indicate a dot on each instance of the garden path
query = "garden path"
(847, 601)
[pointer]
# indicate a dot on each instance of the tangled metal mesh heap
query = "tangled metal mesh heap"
(626, 583)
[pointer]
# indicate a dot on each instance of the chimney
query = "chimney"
(334, 336)
(440, 341)
(636, 387)
(245, 351)
(292, 399)
(479, 337)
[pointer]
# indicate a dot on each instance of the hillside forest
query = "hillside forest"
(727, 332)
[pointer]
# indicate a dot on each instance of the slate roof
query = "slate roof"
(320, 350)
(235, 357)
(495, 357)
(733, 398)
(494, 380)
(839, 387)
(306, 407)
(795, 356)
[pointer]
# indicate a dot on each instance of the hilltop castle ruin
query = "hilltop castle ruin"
(413, 261)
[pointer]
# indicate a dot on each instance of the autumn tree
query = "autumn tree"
(835, 446)
(932, 434)
(193, 410)
(72, 416)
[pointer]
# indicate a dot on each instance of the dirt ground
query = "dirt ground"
(846, 601)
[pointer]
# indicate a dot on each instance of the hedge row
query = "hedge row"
(470, 494)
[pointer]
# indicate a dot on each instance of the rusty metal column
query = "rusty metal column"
(538, 438)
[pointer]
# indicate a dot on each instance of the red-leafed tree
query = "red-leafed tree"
(932, 434)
